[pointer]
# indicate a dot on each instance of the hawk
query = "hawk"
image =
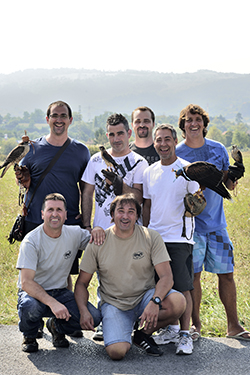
(207, 175)
(17, 154)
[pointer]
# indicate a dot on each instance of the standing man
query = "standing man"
(65, 175)
(126, 263)
(163, 211)
(129, 177)
(212, 248)
(143, 122)
(45, 258)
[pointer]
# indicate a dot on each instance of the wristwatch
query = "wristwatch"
(157, 301)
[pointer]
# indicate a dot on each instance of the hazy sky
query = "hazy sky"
(159, 35)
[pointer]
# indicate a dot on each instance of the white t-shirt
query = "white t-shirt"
(167, 205)
(131, 167)
(51, 258)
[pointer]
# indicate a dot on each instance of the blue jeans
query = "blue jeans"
(31, 311)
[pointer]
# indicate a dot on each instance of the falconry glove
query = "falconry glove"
(194, 204)
(236, 171)
(23, 175)
(115, 179)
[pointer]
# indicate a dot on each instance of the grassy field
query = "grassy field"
(212, 311)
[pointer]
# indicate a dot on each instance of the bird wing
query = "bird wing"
(14, 156)
(208, 175)
(109, 161)
(204, 173)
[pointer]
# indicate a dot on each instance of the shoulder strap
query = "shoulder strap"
(46, 171)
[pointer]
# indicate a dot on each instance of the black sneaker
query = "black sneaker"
(76, 334)
(29, 345)
(58, 339)
(146, 342)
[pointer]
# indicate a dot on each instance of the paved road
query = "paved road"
(213, 356)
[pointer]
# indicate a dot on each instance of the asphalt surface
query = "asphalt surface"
(213, 356)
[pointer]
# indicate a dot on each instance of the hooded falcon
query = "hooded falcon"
(207, 175)
(16, 154)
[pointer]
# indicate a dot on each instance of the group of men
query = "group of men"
(146, 278)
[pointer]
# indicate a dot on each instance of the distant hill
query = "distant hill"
(93, 92)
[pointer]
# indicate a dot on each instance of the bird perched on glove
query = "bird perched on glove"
(236, 171)
(112, 177)
(17, 154)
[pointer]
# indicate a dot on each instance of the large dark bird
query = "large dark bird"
(207, 175)
(109, 161)
(16, 154)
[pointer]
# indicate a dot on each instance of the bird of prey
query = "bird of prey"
(109, 161)
(206, 174)
(16, 154)
(236, 154)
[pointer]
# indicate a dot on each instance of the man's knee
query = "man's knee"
(118, 350)
(174, 305)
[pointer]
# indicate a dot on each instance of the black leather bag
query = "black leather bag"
(17, 231)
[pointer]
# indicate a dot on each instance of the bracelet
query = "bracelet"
(87, 226)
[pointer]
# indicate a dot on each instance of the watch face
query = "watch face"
(157, 300)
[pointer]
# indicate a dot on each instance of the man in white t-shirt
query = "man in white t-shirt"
(126, 262)
(45, 259)
(163, 211)
(130, 174)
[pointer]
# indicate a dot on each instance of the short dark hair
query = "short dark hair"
(116, 119)
(125, 199)
(193, 108)
(167, 127)
(143, 109)
(59, 103)
(54, 197)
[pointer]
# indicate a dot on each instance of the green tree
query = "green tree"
(215, 134)
(100, 137)
(238, 118)
(240, 139)
(228, 136)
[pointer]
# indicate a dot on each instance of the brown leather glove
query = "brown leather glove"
(115, 180)
(23, 175)
(194, 203)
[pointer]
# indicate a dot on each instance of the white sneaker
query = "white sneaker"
(184, 344)
(166, 336)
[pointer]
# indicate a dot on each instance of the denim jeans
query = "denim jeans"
(31, 311)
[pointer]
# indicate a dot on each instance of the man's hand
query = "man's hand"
(87, 321)
(97, 236)
(149, 317)
(236, 171)
(59, 310)
(23, 176)
(115, 180)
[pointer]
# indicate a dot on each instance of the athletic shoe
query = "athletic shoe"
(146, 342)
(166, 336)
(58, 339)
(184, 344)
(98, 335)
(29, 344)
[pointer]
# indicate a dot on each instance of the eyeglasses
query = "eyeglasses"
(56, 116)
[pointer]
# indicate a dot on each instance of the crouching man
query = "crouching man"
(45, 258)
(126, 262)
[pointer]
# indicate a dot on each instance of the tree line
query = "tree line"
(94, 132)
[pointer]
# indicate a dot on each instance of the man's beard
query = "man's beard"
(143, 135)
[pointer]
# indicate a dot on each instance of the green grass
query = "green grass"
(212, 312)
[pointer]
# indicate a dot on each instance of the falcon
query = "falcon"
(207, 175)
(109, 161)
(16, 154)
(236, 154)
